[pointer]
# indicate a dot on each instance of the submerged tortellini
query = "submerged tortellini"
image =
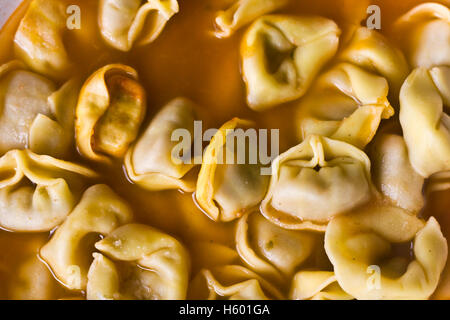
(124, 22)
(37, 192)
(227, 189)
(155, 162)
(424, 103)
(39, 38)
(317, 285)
(207, 254)
(393, 174)
(32, 281)
(346, 103)
(361, 247)
(269, 250)
(424, 33)
(154, 266)
(69, 251)
(110, 110)
(281, 55)
(242, 12)
(370, 50)
(34, 113)
(315, 181)
(231, 282)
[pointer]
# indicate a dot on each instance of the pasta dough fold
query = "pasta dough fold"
(424, 34)
(393, 174)
(346, 103)
(281, 55)
(34, 113)
(154, 161)
(424, 102)
(68, 253)
(242, 12)
(317, 285)
(271, 251)
(225, 190)
(315, 181)
(37, 192)
(231, 282)
(363, 242)
(157, 266)
(110, 110)
(39, 39)
(370, 50)
(126, 22)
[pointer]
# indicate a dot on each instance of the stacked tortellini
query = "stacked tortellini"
(126, 22)
(425, 95)
(349, 101)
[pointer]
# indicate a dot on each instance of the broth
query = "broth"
(187, 60)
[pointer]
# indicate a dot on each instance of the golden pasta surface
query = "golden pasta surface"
(225, 150)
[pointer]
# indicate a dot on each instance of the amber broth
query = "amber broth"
(187, 60)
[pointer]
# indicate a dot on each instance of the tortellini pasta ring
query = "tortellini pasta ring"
(152, 162)
(39, 117)
(161, 270)
(226, 191)
(232, 282)
(317, 285)
(269, 250)
(369, 49)
(125, 22)
(424, 32)
(39, 39)
(281, 55)
(242, 12)
(394, 175)
(346, 103)
(315, 181)
(37, 192)
(110, 110)
(68, 252)
(359, 241)
(424, 102)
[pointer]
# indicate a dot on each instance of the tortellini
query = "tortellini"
(225, 191)
(231, 282)
(68, 253)
(317, 285)
(369, 49)
(424, 33)
(269, 250)
(424, 102)
(154, 162)
(125, 22)
(346, 103)
(315, 181)
(37, 192)
(35, 114)
(393, 174)
(157, 266)
(242, 12)
(39, 39)
(361, 248)
(281, 55)
(110, 110)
